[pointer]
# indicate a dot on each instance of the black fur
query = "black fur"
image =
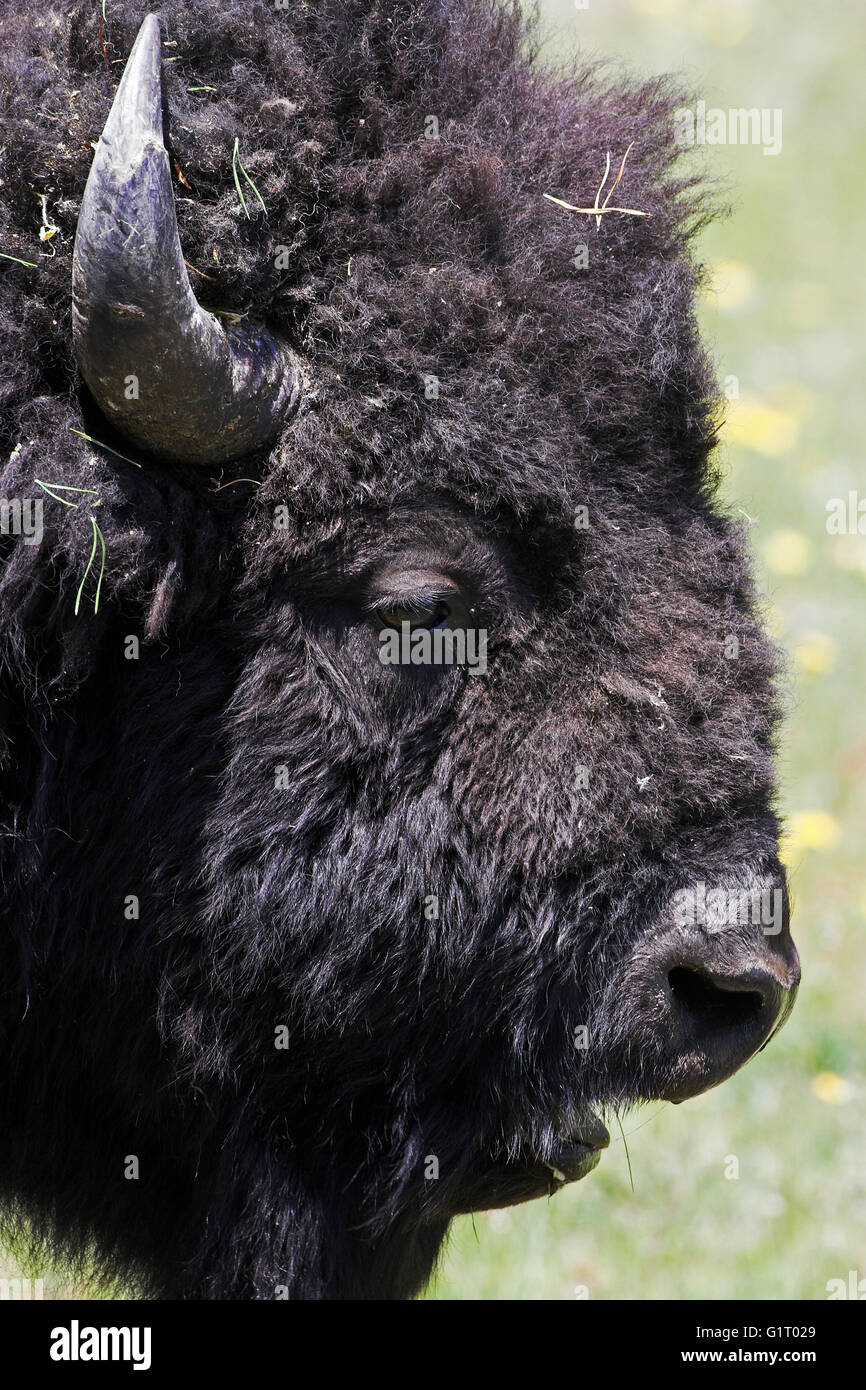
(558, 387)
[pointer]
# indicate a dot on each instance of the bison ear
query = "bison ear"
(161, 368)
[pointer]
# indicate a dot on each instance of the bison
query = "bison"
(386, 720)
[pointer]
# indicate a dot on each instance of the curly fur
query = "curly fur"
(304, 1168)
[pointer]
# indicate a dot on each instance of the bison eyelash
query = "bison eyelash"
(415, 604)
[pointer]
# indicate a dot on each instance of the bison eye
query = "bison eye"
(418, 614)
(426, 597)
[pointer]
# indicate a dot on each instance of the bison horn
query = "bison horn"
(162, 369)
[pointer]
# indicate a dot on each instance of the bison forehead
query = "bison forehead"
(439, 300)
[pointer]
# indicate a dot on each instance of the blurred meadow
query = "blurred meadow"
(785, 317)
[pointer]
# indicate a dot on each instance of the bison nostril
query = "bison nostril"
(710, 1005)
(715, 1002)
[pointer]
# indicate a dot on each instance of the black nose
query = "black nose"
(713, 996)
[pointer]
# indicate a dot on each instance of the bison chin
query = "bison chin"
(507, 1184)
(526, 1175)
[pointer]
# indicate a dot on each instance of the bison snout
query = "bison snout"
(715, 994)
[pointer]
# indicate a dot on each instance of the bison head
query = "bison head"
(387, 726)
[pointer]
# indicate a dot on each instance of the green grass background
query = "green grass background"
(786, 321)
